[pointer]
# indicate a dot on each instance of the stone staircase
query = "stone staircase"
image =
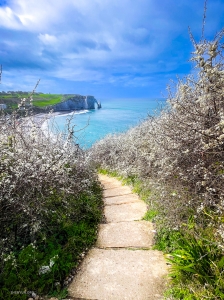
(122, 265)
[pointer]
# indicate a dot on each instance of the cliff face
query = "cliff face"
(77, 102)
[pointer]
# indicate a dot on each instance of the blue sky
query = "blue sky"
(105, 48)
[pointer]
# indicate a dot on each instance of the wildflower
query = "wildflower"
(44, 270)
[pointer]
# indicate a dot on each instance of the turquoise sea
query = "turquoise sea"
(116, 115)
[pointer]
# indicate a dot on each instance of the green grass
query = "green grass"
(62, 242)
(110, 173)
(150, 215)
(43, 100)
(197, 267)
(46, 100)
(39, 100)
(8, 96)
(14, 106)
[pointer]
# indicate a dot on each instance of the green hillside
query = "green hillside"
(12, 99)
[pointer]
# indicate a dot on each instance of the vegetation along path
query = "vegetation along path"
(122, 265)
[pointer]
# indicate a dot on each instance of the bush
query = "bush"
(183, 148)
(180, 153)
(50, 205)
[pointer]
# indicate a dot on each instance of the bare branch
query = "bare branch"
(0, 73)
(203, 22)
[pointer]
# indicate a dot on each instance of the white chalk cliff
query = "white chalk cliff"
(77, 102)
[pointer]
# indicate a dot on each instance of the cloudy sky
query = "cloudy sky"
(105, 48)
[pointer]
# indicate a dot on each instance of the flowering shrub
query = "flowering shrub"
(182, 149)
(50, 204)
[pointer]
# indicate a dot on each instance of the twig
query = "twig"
(203, 22)
(192, 38)
(0, 73)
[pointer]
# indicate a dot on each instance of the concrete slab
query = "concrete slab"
(105, 179)
(111, 185)
(120, 275)
(125, 212)
(126, 234)
(117, 191)
(110, 182)
(123, 199)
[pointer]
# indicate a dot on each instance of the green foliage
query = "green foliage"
(23, 270)
(191, 291)
(166, 239)
(180, 292)
(150, 215)
(197, 262)
(57, 247)
(110, 173)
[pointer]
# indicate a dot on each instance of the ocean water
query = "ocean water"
(116, 115)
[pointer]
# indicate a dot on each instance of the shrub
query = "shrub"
(183, 147)
(50, 205)
(181, 153)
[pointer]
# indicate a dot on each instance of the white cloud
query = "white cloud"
(79, 74)
(9, 19)
(48, 39)
(96, 40)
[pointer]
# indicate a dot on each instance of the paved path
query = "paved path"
(122, 265)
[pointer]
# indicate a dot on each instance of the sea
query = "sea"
(115, 116)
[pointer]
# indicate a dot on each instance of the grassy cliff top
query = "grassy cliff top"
(39, 99)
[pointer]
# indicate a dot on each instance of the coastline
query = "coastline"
(41, 120)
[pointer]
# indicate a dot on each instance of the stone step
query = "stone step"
(125, 212)
(111, 184)
(137, 234)
(123, 199)
(117, 191)
(120, 275)
(107, 180)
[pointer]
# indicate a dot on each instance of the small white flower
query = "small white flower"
(44, 270)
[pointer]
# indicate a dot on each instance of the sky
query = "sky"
(104, 48)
